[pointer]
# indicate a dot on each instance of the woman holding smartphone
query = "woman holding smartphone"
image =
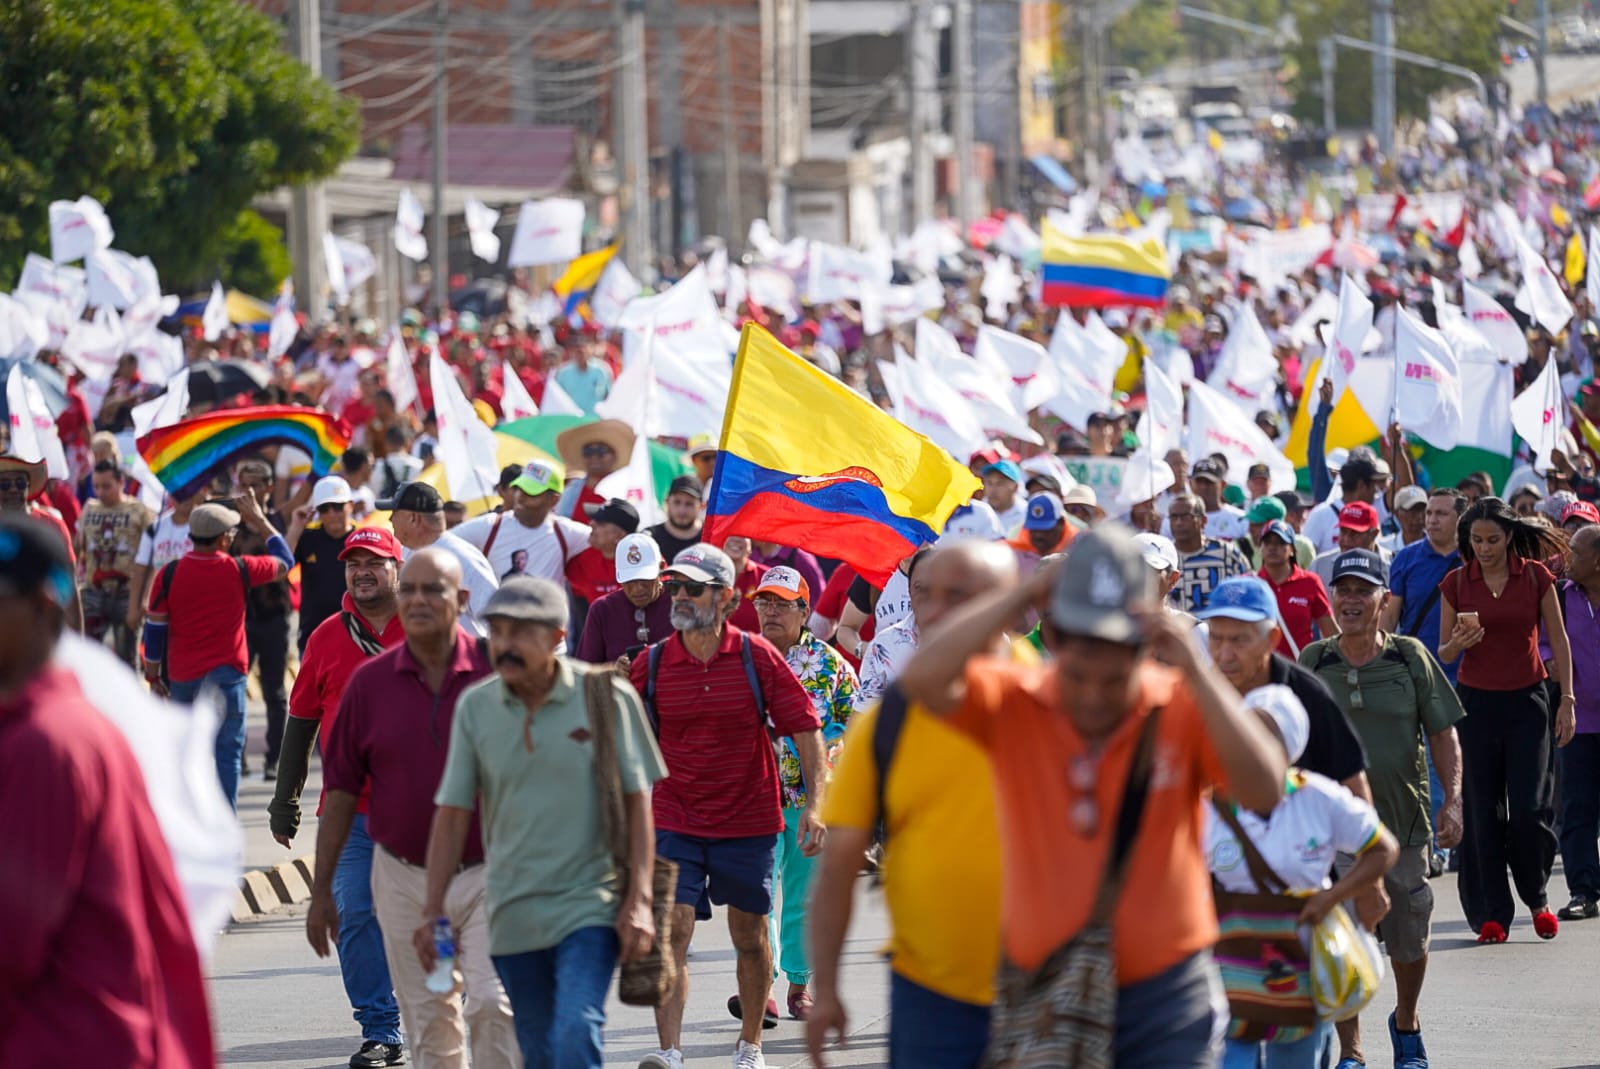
(1490, 609)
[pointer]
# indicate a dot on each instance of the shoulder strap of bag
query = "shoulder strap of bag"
(1422, 614)
(652, 667)
(601, 703)
(1261, 872)
(753, 679)
(561, 540)
(494, 532)
(164, 578)
(892, 710)
(244, 575)
(1129, 814)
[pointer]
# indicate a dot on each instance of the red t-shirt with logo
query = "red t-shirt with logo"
(1302, 600)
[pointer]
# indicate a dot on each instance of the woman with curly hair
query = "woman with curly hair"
(1491, 610)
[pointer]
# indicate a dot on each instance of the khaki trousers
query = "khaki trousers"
(435, 1025)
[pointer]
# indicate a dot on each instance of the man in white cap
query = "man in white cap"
(620, 624)
(317, 534)
(1410, 516)
(530, 526)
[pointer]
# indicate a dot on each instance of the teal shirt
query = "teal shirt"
(549, 869)
(586, 386)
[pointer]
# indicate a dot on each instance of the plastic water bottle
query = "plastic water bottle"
(442, 980)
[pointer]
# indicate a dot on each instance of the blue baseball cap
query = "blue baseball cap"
(1280, 530)
(1009, 468)
(1245, 597)
(1045, 512)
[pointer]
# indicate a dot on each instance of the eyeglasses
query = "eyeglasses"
(772, 604)
(595, 449)
(674, 587)
(641, 630)
(1085, 808)
(1352, 679)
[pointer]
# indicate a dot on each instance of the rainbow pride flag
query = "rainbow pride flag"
(1102, 270)
(807, 462)
(185, 455)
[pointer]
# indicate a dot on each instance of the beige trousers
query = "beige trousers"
(435, 1025)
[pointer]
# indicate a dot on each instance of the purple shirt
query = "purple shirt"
(1583, 634)
(612, 626)
(800, 561)
(392, 734)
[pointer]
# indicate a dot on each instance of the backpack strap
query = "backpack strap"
(892, 709)
(561, 540)
(244, 576)
(494, 532)
(164, 577)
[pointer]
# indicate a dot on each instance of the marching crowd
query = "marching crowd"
(1083, 741)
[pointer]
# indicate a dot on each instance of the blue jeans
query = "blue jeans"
(929, 1031)
(361, 959)
(1174, 1020)
(1306, 1053)
(558, 998)
(230, 733)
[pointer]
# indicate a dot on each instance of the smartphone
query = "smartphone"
(1468, 619)
(633, 651)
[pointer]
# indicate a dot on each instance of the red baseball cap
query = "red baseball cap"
(1580, 510)
(1358, 516)
(379, 541)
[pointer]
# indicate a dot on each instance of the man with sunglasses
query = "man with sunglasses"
(22, 488)
(1396, 695)
(366, 623)
(625, 621)
(317, 534)
(711, 691)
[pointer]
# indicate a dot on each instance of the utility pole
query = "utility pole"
(921, 60)
(1089, 61)
(1327, 57)
(632, 116)
(969, 191)
(308, 205)
(730, 148)
(441, 91)
(1383, 75)
(1543, 53)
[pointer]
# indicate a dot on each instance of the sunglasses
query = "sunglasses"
(595, 449)
(674, 587)
(1352, 679)
(331, 507)
(1085, 808)
(13, 482)
(641, 630)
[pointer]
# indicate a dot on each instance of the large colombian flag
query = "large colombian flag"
(185, 455)
(807, 462)
(1102, 270)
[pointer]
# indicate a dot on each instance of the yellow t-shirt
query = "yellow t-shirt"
(941, 871)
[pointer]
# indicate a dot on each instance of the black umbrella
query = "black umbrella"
(52, 384)
(483, 297)
(214, 381)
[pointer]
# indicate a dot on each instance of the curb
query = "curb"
(264, 891)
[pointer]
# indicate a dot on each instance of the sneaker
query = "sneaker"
(270, 772)
(768, 1019)
(1351, 1063)
(1435, 864)
(1491, 932)
(748, 1056)
(1545, 923)
(374, 1053)
(1409, 1053)
(662, 1059)
(1579, 909)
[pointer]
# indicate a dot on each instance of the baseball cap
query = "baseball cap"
(1410, 497)
(1244, 597)
(1008, 468)
(701, 443)
(1045, 511)
(1288, 714)
(530, 598)
(33, 556)
(1159, 552)
(1206, 468)
(379, 541)
(1265, 510)
(1280, 530)
(1293, 500)
(330, 490)
(976, 519)
(1363, 564)
(785, 583)
(540, 477)
(1580, 510)
(686, 484)
(413, 497)
(1104, 583)
(1259, 471)
(1358, 516)
(614, 511)
(212, 521)
(703, 564)
(638, 557)
(1336, 457)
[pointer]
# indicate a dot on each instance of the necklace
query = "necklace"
(1492, 591)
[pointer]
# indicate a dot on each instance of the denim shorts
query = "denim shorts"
(728, 872)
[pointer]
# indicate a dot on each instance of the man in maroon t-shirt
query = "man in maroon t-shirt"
(710, 691)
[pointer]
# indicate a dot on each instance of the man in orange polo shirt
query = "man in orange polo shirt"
(1061, 739)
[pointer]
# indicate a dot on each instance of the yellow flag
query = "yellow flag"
(1214, 139)
(1559, 217)
(1575, 259)
(1348, 427)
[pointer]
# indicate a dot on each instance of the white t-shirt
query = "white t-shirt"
(882, 661)
(540, 543)
(894, 604)
(163, 542)
(292, 468)
(480, 580)
(1011, 519)
(1316, 819)
(1226, 522)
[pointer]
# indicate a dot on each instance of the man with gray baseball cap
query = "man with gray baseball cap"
(1122, 748)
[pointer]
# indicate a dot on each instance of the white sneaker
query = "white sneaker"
(662, 1059)
(748, 1056)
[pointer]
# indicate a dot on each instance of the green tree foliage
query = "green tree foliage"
(1462, 32)
(254, 257)
(173, 113)
(1153, 33)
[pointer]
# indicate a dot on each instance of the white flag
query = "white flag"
(160, 356)
(23, 331)
(1215, 427)
(1027, 364)
(214, 319)
(1489, 318)
(1161, 425)
(612, 292)
(283, 327)
(77, 228)
(840, 274)
(685, 317)
(689, 396)
(350, 263)
(466, 444)
(398, 373)
(481, 221)
(1537, 415)
(408, 220)
(1427, 383)
(1247, 372)
(33, 429)
(515, 400)
(557, 402)
(51, 283)
(1086, 370)
(987, 395)
(1471, 262)
(118, 280)
(1351, 325)
(94, 346)
(164, 409)
(1017, 239)
(1466, 341)
(930, 407)
(1325, 305)
(1541, 296)
(1001, 288)
(548, 232)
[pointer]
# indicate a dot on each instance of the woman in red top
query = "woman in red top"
(1491, 608)
(1302, 599)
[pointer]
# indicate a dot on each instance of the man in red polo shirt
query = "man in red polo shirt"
(710, 691)
(99, 961)
(367, 623)
(389, 740)
(22, 489)
(1302, 599)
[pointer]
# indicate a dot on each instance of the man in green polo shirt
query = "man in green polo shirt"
(522, 742)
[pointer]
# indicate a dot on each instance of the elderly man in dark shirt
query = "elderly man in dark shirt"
(625, 621)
